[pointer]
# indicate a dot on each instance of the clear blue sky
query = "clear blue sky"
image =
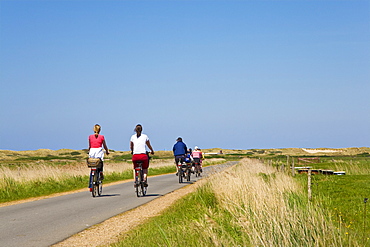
(220, 74)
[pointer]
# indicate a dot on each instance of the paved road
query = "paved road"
(49, 221)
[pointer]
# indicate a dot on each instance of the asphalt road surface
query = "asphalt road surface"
(49, 221)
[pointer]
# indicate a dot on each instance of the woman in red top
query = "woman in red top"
(96, 144)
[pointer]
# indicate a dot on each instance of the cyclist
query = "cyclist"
(96, 144)
(138, 142)
(179, 151)
(189, 160)
(197, 156)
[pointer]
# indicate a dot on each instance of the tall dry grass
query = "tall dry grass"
(43, 171)
(351, 167)
(269, 208)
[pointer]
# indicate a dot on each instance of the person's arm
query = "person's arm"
(150, 147)
(131, 147)
(105, 147)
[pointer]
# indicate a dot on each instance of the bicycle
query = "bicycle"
(183, 170)
(198, 170)
(95, 182)
(188, 171)
(139, 184)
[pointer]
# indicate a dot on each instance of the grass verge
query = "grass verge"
(14, 190)
(248, 205)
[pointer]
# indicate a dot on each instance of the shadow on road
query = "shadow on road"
(148, 195)
(109, 195)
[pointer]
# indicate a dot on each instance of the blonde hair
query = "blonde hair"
(97, 129)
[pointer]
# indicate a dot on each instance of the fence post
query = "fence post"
(309, 185)
(282, 168)
(287, 160)
(365, 201)
(293, 168)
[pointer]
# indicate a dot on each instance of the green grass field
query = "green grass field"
(269, 208)
(257, 203)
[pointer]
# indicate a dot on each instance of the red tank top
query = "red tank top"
(96, 142)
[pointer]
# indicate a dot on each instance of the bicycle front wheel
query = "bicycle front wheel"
(99, 185)
(137, 183)
(142, 188)
(95, 185)
(197, 171)
(181, 175)
(188, 174)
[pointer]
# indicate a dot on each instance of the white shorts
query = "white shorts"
(96, 153)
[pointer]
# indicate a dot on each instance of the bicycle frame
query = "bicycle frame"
(140, 189)
(197, 169)
(95, 183)
(183, 170)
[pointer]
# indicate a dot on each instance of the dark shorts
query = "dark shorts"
(141, 157)
(178, 157)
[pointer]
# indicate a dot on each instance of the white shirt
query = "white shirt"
(139, 143)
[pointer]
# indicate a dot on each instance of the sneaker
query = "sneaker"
(90, 189)
(136, 185)
(145, 184)
(177, 173)
(101, 176)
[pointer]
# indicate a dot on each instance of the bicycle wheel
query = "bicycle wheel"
(100, 185)
(181, 175)
(143, 188)
(188, 174)
(137, 184)
(95, 184)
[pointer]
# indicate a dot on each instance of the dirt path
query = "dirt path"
(110, 230)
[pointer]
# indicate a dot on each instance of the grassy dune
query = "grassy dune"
(254, 204)
(249, 205)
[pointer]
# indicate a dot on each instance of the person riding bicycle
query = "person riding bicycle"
(179, 151)
(96, 144)
(138, 142)
(197, 156)
(189, 160)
